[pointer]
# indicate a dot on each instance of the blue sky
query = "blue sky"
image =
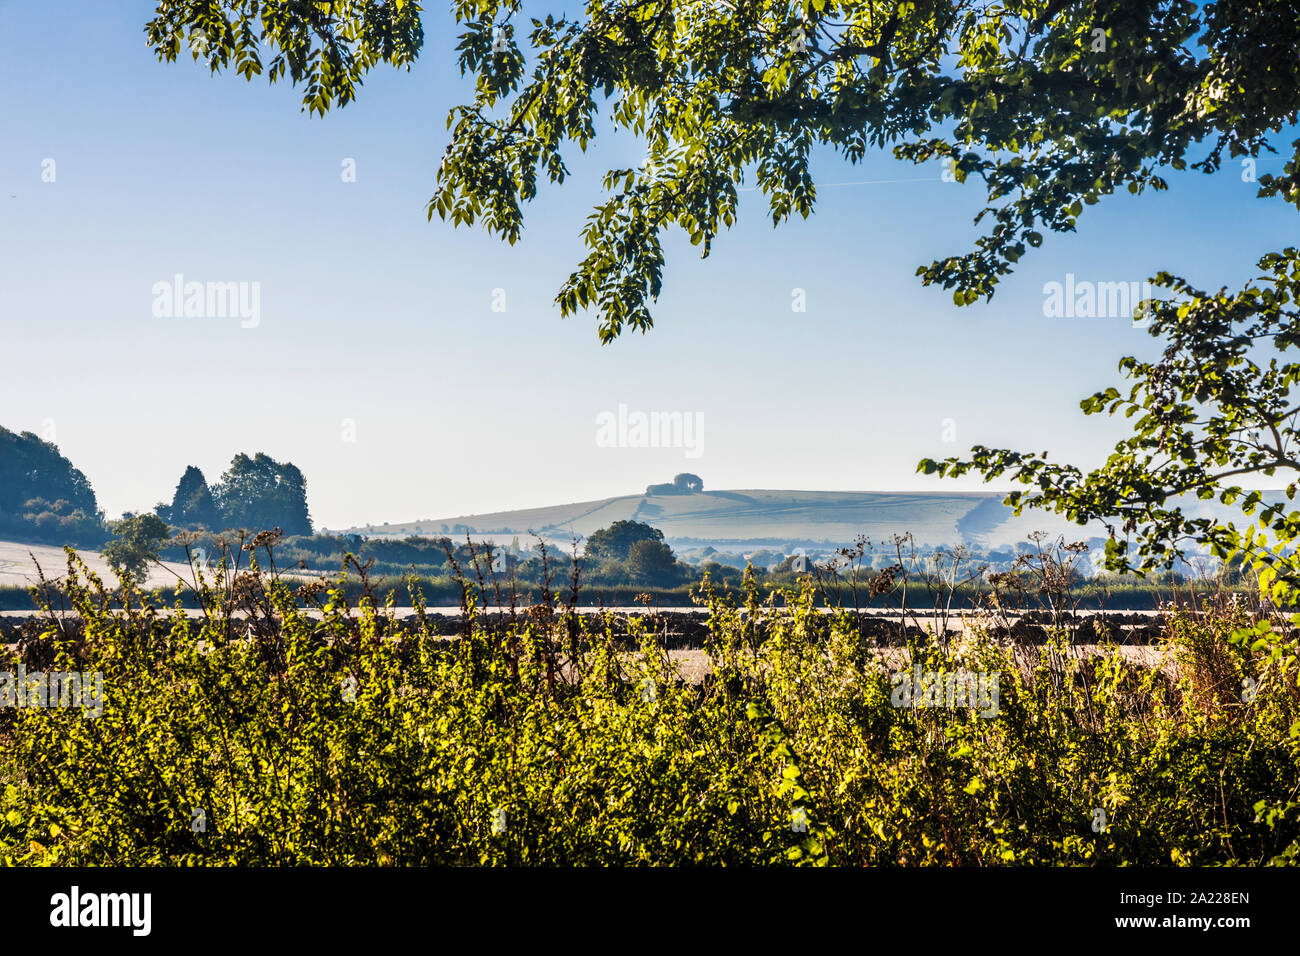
(378, 325)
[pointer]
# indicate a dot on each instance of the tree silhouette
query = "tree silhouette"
(652, 561)
(260, 493)
(616, 541)
(33, 468)
(193, 505)
(689, 483)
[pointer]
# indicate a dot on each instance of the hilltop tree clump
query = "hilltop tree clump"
(691, 484)
(683, 484)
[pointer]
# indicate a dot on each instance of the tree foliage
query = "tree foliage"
(31, 467)
(192, 504)
(137, 541)
(1216, 407)
(326, 48)
(616, 541)
(43, 496)
(1052, 104)
(260, 493)
(652, 561)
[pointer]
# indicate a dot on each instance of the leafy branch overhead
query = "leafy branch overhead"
(1052, 104)
(326, 48)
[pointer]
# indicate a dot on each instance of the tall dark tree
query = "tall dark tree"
(193, 505)
(260, 493)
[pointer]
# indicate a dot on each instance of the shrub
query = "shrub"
(300, 728)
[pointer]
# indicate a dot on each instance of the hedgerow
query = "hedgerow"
(288, 724)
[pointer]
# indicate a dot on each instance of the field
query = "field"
(19, 563)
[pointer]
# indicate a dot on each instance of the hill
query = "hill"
(765, 517)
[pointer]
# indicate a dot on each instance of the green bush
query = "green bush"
(289, 726)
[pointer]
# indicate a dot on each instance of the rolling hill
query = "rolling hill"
(765, 517)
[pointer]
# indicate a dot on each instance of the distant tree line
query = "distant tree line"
(45, 499)
(256, 493)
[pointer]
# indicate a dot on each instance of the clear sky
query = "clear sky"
(378, 326)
